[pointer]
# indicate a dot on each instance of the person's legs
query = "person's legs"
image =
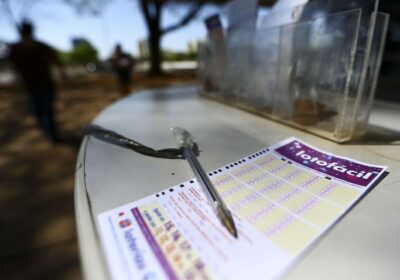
(43, 108)
(36, 106)
(124, 88)
(48, 112)
(124, 82)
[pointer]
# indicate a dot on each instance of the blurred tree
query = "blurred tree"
(168, 55)
(152, 11)
(14, 11)
(83, 52)
(94, 7)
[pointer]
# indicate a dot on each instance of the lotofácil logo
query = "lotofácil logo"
(335, 166)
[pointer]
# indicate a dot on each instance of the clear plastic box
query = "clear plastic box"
(314, 66)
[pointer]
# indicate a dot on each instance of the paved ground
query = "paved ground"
(37, 225)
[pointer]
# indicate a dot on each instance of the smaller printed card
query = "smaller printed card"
(283, 198)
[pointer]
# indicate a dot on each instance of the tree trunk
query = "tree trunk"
(152, 12)
(155, 52)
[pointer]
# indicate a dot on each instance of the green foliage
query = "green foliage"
(63, 56)
(82, 53)
(178, 56)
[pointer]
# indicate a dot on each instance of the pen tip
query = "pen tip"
(235, 234)
(227, 221)
(230, 226)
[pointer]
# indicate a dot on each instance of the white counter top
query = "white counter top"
(365, 244)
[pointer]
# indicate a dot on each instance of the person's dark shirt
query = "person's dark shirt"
(32, 60)
(123, 64)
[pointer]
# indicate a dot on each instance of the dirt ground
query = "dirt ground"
(37, 223)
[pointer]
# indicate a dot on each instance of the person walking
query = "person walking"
(33, 61)
(123, 64)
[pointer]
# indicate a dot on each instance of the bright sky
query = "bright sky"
(121, 22)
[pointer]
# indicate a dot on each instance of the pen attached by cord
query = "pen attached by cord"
(188, 150)
(185, 142)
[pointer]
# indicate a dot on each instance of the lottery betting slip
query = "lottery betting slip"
(283, 198)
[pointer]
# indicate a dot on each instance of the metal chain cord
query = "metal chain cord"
(114, 138)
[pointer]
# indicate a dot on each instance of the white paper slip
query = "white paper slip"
(283, 198)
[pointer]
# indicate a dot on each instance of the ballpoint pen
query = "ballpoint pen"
(185, 141)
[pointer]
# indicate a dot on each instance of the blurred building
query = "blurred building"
(193, 46)
(7, 75)
(143, 48)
